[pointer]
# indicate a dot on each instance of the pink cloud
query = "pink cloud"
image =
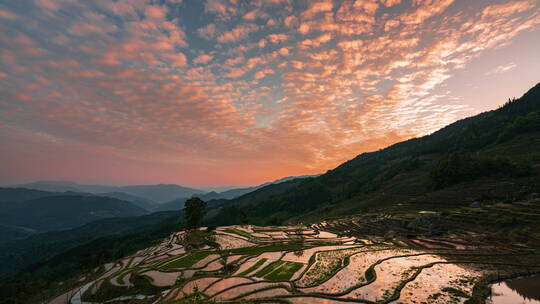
(368, 6)
(208, 31)
(48, 4)
(262, 73)
(389, 3)
(84, 29)
(304, 28)
(202, 59)
(7, 14)
(235, 61)
(236, 34)
(155, 12)
(317, 6)
(236, 72)
(219, 8)
(277, 38)
(425, 11)
(255, 14)
(291, 21)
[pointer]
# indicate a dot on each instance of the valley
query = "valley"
(336, 261)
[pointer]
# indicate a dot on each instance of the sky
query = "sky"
(237, 92)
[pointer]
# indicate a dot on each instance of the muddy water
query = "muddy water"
(516, 291)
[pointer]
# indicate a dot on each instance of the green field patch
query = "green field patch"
(239, 232)
(187, 260)
(253, 267)
(245, 234)
(284, 272)
(267, 248)
(268, 269)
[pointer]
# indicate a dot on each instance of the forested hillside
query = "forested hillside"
(475, 153)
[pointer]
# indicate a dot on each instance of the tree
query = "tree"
(243, 217)
(194, 210)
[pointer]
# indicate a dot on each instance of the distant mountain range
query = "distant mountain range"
(178, 203)
(146, 196)
(50, 212)
(56, 205)
(154, 193)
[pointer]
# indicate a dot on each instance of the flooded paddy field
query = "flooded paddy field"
(323, 263)
(524, 290)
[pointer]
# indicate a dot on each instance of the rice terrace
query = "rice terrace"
(269, 151)
(336, 261)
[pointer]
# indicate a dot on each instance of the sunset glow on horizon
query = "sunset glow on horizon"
(232, 92)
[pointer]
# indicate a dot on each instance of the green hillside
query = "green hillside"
(492, 156)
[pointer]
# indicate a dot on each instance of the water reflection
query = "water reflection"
(517, 291)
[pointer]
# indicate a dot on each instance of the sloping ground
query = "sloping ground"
(285, 264)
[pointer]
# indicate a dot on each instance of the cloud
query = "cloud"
(7, 14)
(426, 10)
(502, 68)
(284, 52)
(389, 3)
(308, 88)
(291, 21)
(48, 4)
(255, 14)
(202, 59)
(277, 38)
(317, 6)
(236, 34)
(220, 8)
(208, 32)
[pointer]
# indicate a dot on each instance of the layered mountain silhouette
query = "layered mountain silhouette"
(156, 193)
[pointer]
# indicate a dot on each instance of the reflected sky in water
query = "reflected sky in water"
(517, 291)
